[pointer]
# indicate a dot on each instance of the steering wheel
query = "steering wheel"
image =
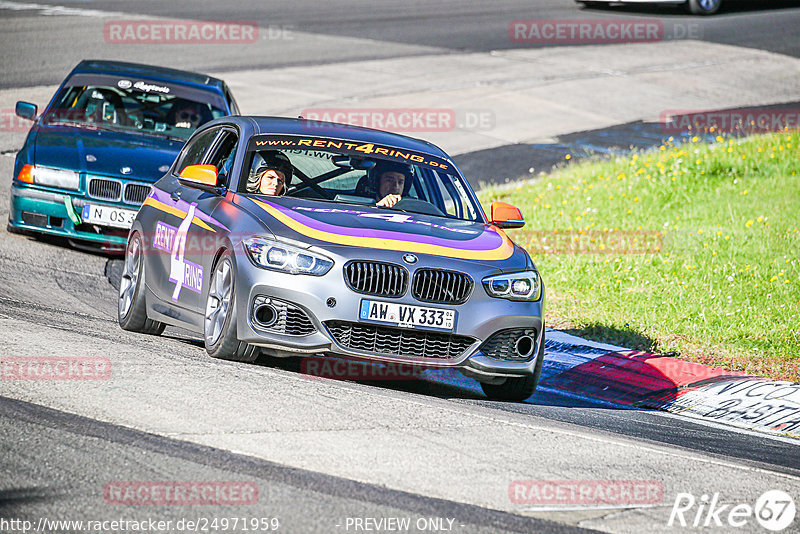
(418, 206)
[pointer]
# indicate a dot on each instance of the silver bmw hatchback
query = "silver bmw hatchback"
(295, 238)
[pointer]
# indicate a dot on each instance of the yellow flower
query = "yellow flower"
(747, 224)
(568, 156)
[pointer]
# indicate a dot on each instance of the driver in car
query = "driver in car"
(390, 182)
(273, 177)
(188, 116)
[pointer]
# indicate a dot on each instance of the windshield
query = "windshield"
(133, 105)
(338, 177)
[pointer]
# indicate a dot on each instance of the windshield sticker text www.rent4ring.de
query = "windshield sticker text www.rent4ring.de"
(351, 147)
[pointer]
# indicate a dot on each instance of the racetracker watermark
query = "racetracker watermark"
(569, 493)
(402, 119)
(774, 510)
(591, 241)
(338, 369)
(189, 32)
(55, 368)
(599, 31)
(744, 120)
(180, 493)
(10, 122)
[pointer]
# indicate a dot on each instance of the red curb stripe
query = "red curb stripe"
(629, 377)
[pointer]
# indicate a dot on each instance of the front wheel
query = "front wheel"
(131, 309)
(517, 388)
(703, 7)
(219, 324)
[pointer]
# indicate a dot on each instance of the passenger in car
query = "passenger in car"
(273, 177)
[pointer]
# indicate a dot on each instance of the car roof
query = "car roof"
(253, 125)
(98, 66)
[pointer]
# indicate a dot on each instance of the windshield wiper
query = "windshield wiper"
(76, 124)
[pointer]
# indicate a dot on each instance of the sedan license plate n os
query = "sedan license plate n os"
(407, 316)
(108, 216)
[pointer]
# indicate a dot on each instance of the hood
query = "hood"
(326, 224)
(105, 153)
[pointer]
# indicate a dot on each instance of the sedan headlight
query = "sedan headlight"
(514, 286)
(55, 177)
(277, 256)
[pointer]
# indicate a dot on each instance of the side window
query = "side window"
(224, 155)
(194, 151)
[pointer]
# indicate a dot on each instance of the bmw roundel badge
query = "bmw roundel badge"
(409, 258)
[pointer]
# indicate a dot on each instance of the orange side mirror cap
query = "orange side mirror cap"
(200, 174)
(506, 216)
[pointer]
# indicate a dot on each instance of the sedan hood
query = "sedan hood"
(127, 155)
(326, 224)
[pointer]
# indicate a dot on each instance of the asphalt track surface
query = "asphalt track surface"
(60, 446)
(390, 29)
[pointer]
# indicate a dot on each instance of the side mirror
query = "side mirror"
(26, 110)
(506, 216)
(204, 176)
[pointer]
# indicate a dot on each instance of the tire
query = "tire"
(131, 308)
(517, 388)
(219, 320)
(703, 7)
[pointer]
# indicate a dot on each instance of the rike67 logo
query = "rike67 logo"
(774, 510)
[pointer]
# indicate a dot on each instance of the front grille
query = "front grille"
(436, 285)
(405, 342)
(291, 321)
(105, 189)
(502, 345)
(135, 193)
(376, 278)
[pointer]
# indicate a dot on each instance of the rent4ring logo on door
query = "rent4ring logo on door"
(173, 240)
(774, 510)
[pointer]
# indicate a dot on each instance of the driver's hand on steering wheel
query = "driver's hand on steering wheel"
(388, 201)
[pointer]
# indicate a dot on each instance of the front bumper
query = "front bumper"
(35, 209)
(478, 319)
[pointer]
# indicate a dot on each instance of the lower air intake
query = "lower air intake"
(405, 342)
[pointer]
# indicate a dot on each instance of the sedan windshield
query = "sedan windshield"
(110, 103)
(422, 187)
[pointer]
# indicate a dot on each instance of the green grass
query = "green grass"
(690, 250)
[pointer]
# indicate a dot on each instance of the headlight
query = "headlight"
(282, 257)
(55, 177)
(514, 286)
